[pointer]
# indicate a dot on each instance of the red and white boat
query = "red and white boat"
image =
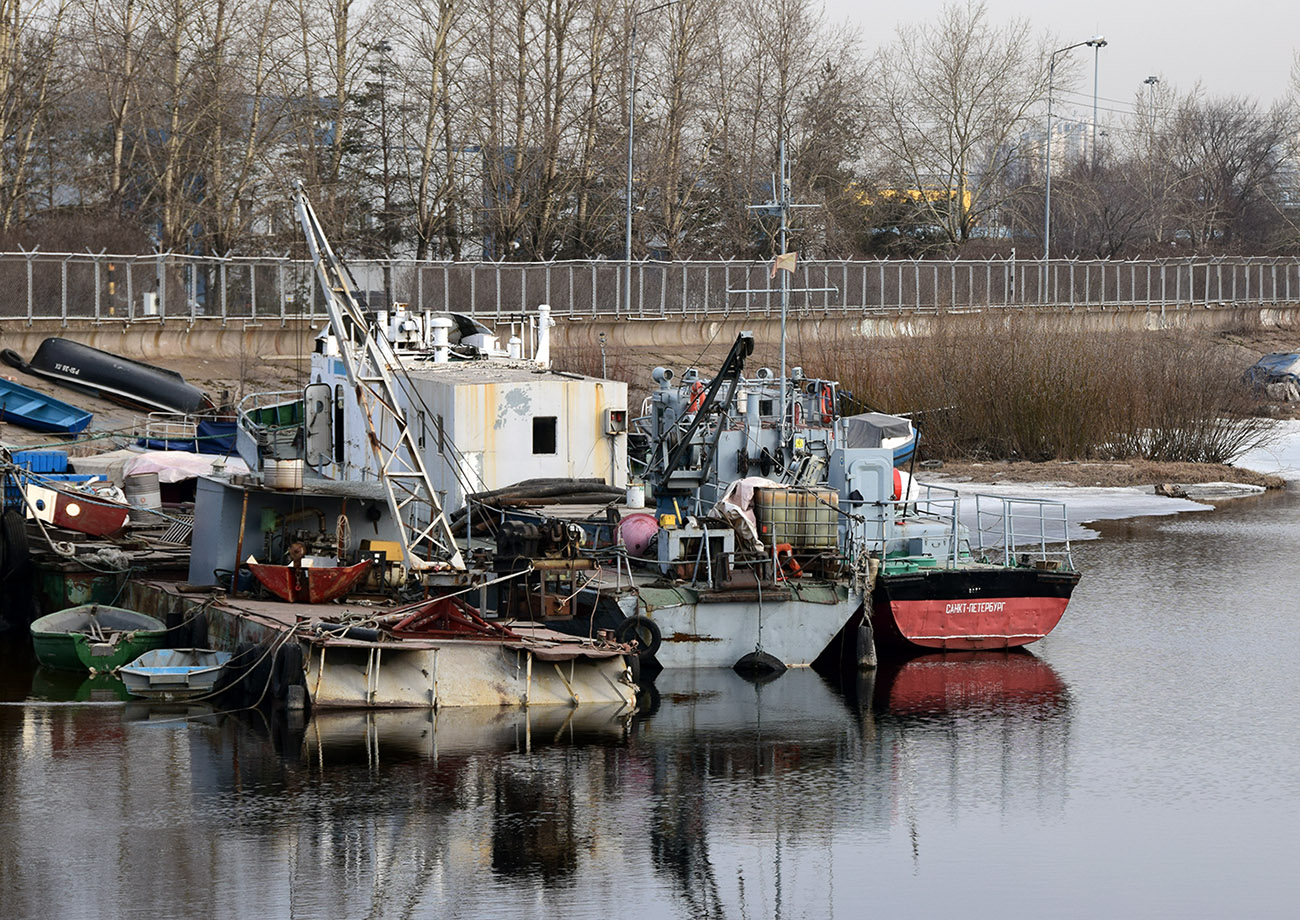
(84, 512)
(969, 607)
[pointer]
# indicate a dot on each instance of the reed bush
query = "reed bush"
(1012, 389)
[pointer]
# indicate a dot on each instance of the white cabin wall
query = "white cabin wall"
(491, 427)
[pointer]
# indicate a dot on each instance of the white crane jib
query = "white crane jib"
(370, 360)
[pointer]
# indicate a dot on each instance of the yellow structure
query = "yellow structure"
(930, 195)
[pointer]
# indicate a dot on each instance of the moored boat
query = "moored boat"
(28, 408)
(830, 493)
(95, 637)
(170, 674)
(84, 512)
(971, 606)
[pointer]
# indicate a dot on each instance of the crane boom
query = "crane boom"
(369, 359)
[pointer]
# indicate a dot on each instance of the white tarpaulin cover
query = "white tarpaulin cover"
(170, 465)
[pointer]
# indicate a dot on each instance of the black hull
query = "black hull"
(101, 373)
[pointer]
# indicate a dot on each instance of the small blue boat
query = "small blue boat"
(174, 673)
(28, 408)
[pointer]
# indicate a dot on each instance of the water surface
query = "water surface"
(1142, 762)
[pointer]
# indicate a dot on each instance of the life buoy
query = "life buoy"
(697, 397)
(785, 558)
(797, 415)
(827, 404)
(898, 485)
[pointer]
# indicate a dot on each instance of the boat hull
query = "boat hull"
(172, 674)
(309, 584)
(122, 380)
(28, 408)
(437, 674)
(717, 633)
(62, 640)
(967, 609)
(93, 516)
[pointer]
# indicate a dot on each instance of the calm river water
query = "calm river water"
(1143, 762)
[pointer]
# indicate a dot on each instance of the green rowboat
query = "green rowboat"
(95, 637)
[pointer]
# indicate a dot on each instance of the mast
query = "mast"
(369, 359)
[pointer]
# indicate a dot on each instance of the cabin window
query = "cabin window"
(544, 434)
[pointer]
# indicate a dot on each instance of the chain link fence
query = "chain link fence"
(165, 287)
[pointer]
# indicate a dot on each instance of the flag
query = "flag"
(784, 262)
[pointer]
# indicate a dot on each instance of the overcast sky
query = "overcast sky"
(1237, 47)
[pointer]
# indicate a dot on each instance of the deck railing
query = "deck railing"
(166, 286)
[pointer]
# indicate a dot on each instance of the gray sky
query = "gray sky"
(1238, 47)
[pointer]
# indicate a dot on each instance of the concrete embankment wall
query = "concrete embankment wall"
(148, 340)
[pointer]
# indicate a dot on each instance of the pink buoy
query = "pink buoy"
(636, 532)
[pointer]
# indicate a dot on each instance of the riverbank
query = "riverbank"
(1105, 474)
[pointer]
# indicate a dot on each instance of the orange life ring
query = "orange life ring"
(697, 397)
(786, 550)
(828, 404)
(898, 485)
(797, 414)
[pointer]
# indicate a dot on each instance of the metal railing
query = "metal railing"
(1024, 530)
(166, 286)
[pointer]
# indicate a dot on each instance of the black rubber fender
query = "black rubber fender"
(13, 531)
(198, 630)
(257, 672)
(642, 629)
(288, 671)
(13, 359)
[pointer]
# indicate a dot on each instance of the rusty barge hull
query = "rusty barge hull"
(540, 668)
(436, 674)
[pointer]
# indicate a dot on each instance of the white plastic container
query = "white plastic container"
(285, 475)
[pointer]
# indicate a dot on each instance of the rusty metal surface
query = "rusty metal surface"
(460, 673)
(308, 584)
(449, 618)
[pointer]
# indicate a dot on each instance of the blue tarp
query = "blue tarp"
(211, 438)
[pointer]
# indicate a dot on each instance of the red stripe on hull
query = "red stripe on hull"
(989, 622)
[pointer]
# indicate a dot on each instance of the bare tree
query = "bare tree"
(955, 100)
(30, 45)
(1232, 153)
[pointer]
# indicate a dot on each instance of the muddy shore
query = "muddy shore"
(1089, 473)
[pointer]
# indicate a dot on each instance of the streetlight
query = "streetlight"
(631, 129)
(1047, 198)
(1151, 102)
(1096, 43)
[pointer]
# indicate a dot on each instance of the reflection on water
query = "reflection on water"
(729, 799)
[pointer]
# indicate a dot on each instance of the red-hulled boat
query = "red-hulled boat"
(971, 606)
(83, 512)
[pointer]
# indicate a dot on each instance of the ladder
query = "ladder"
(370, 360)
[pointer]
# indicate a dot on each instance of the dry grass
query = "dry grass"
(1014, 390)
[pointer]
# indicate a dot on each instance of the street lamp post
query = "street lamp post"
(1151, 102)
(1047, 192)
(631, 129)
(1096, 43)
